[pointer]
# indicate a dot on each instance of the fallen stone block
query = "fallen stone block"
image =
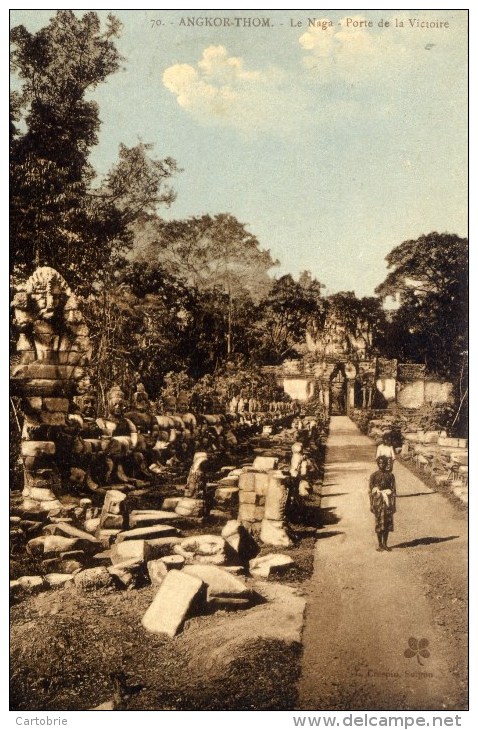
(30, 527)
(93, 579)
(209, 549)
(270, 565)
(106, 537)
(58, 580)
(189, 507)
(158, 569)
(68, 530)
(222, 587)
(265, 463)
(177, 597)
(52, 545)
(147, 533)
(129, 573)
(127, 550)
(169, 503)
(151, 517)
(69, 566)
(32, 583)
(160, 547)
(112, 522)
(92, 524)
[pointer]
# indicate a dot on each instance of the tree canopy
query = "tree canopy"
(429, 280)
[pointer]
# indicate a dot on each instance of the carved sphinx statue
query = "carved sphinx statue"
(53, 349)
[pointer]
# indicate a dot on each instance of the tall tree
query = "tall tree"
(287, 312)
(57, 218)
(215, 255)
(429, 280)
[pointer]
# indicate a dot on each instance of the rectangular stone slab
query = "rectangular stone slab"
(264, 463)
(147, 518)
(176, 596)
(147, 533)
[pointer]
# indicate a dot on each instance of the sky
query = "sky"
(331, 135)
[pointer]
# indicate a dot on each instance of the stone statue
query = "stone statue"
(119, 434)
(53, 349)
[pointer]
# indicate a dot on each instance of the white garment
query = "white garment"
(384, 450)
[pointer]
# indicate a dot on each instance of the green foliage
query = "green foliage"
(429, 279)
(286, 313)
(210, 253)
(56, 217)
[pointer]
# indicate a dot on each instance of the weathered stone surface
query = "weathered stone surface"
(92, 524)
(276, 498)
(177, 596)
(69, 566)
(270, 565)
(220, 584)
(274, 533)
(158, 569)
(68, 530)
(111, 522)
(147, 518)
(265, 463)
(209, 549)
(30, 526)
(128, 573)
(73, 555)
(113, 503)
(227, 497)
(160, 547)
(261, 483)
(247, 512)
(189, 507)
(51, 545)
(147, 533)
(56, 405)
(93, 579)
(169, 503)
(106, 537)
(58, 580)
(32, 583)
(37, 448)
(234, 569)
(247, 497)
(240, 540)
(247, 481)
(127, 550)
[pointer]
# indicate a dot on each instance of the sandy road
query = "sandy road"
(363, 606)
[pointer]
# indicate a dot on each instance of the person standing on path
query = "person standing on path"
(386, 449)
(382, 493)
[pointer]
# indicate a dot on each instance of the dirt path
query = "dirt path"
(363, 606)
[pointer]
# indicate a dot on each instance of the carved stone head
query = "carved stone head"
(48, 292)
(116, 401)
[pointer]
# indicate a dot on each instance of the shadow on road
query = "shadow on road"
(337, 494)
(425, 541)
(417, 494)
(328, 533)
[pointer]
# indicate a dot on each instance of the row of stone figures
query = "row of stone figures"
(253, 405)
(61, 437)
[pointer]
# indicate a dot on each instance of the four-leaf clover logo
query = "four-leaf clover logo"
(418, 648)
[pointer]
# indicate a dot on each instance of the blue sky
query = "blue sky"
(333, 144)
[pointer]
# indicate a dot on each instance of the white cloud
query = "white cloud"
(351, 51)
(219, 90)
